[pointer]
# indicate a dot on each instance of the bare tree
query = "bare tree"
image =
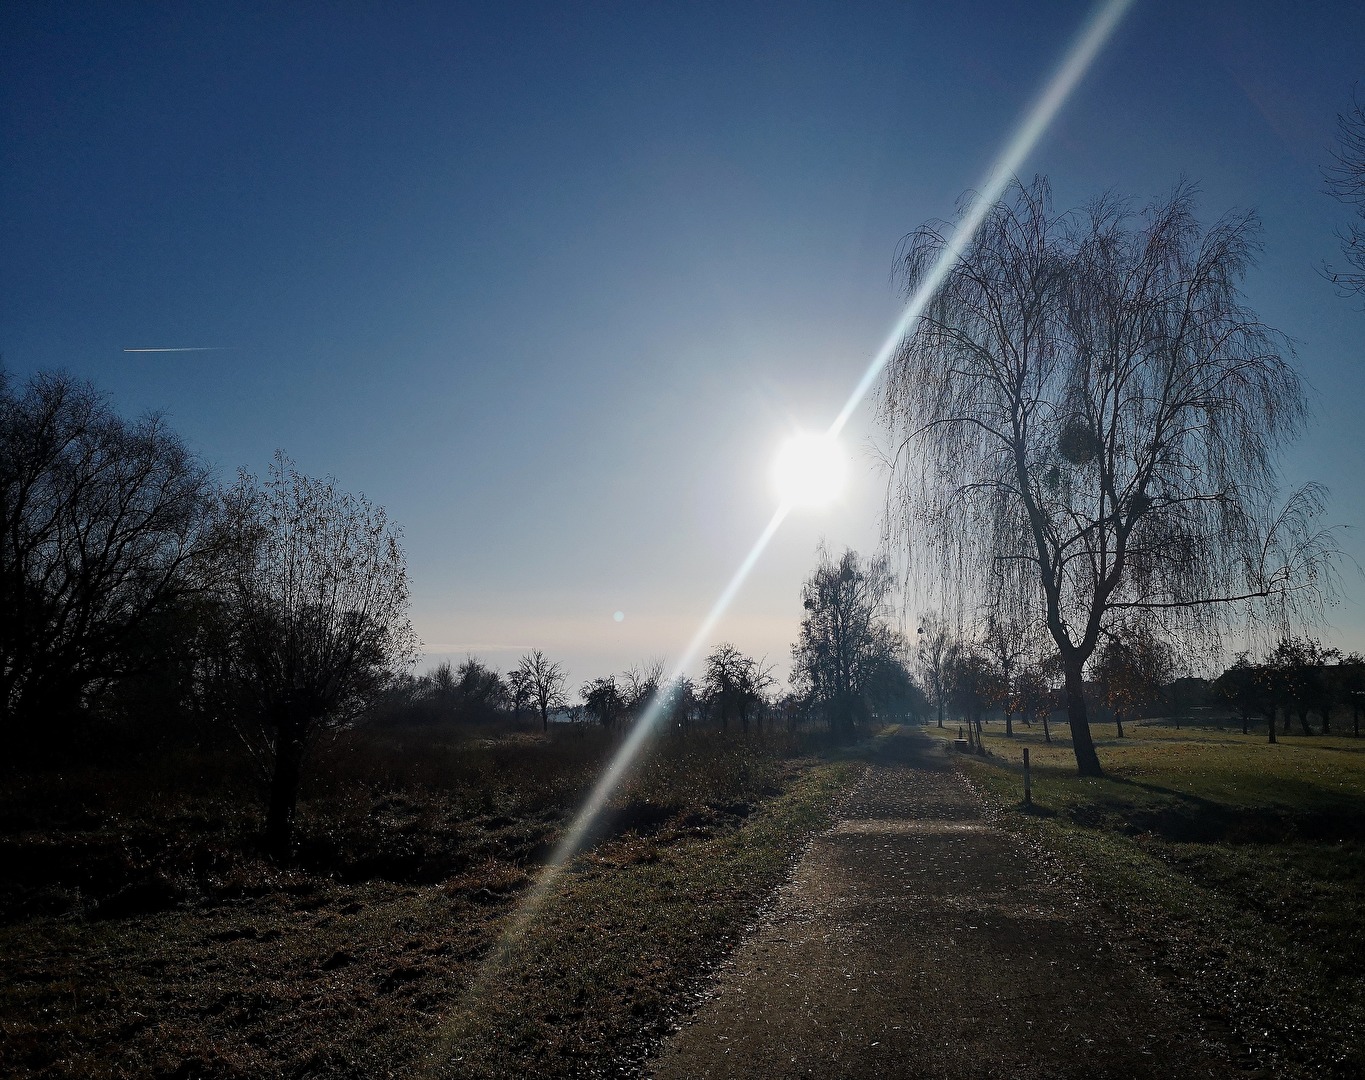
(1299, 665)
(1351, 671)
(845, 645)
(518, 692)
(1086, 418)
(105, 528)
(314, 626)
(974, 685)
(1345, 179)
(1009, 639)
(680, 703)
(470, 693)
(544, 680)
(935, 646)
(640, 685)
(735, 685)
(1032, 695)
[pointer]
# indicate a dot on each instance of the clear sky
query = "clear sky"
(551, 282)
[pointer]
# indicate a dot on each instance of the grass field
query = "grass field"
(142, 935)
(1238, 865)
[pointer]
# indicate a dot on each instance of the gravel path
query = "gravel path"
(916, 939)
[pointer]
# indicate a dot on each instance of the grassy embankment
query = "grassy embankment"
(1238, 867)
(141, 933)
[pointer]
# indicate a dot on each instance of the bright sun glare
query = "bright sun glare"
(809, 470)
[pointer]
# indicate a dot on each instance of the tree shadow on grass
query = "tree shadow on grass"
(1185, 817)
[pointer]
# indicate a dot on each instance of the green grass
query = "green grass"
(1235, 866)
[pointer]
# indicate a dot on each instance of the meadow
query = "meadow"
(1238, 867)
(145, 934)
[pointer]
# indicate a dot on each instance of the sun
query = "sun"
(810, 471)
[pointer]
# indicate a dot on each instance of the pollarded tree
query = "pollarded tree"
(314, 622)
(735, 685)
(1086, 418)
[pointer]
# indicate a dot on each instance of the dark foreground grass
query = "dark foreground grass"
(1238, 867)
(143, 935)
(620, 947)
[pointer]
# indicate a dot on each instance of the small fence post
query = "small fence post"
(1028, 781)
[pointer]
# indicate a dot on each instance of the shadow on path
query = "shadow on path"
(915, 939)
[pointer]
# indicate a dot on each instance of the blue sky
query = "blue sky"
(550, 282)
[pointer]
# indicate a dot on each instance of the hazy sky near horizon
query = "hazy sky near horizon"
(551, 281)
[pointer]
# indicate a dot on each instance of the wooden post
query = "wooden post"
(1028, 781)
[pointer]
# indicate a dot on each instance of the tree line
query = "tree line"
(974, 675)
(144, 597)
(1299, 677)
(851, 668)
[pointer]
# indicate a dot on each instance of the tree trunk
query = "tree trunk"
(1118, 721)
(1270, 725)
(1246, 723)
(1303, 721)
(284, 792)
(1326, 714)
(1047, 733)
(544, 720)
(1087, 761)
(1287, 718)
(1009, 723)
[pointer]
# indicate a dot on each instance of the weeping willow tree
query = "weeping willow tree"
(1085, 423)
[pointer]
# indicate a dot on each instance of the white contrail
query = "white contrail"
(189, 348)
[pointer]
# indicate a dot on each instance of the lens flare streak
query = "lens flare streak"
(1089, 41)
(577, 831)
(1087, 45)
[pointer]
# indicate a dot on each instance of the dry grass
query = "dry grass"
(143, 934)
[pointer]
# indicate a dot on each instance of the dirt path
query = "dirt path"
(917, 940)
